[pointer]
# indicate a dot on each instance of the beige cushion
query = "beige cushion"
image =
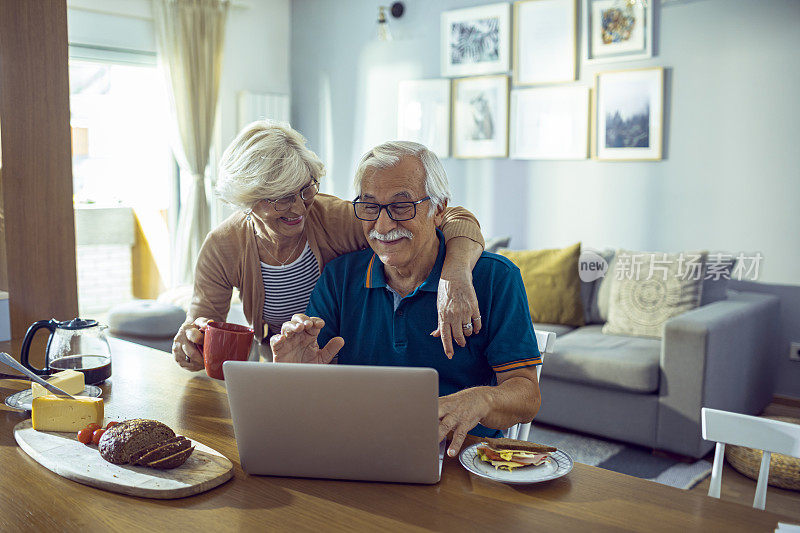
(648, 288)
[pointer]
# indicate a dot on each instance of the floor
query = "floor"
(741, 489)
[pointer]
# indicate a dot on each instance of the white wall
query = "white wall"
(729, 180)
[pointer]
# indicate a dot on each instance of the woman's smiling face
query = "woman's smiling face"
(287, 223)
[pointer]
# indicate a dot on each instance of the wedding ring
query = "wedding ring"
(467, 326)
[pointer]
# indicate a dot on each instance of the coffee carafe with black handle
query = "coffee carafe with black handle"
(75, 344)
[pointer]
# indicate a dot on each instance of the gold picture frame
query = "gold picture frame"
(480, 117)
(475, 40)
(545, 42)
(628, 115)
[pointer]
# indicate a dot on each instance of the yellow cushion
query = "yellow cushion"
(551, 283)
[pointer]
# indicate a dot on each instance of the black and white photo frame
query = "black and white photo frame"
(480, 117)
(476, 40)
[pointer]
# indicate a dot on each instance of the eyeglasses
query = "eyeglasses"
(306, 194)
(397, 211)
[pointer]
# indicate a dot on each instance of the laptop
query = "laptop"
(365, 423)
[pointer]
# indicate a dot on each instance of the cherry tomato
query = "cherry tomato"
(111, 424)
(96, 435)
(93, 426)
(85, 436)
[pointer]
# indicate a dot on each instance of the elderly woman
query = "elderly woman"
(274, 249)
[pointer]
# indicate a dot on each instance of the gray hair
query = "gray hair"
(267, 159)
(389, 154)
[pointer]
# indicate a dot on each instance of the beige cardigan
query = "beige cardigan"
(229, 256)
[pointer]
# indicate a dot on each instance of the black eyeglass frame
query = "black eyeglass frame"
(314, 182)
(381, 207)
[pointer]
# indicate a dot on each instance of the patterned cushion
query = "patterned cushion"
(649, 288)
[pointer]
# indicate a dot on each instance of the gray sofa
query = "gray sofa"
(649, 391)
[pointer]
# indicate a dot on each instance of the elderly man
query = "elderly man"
(373, 307)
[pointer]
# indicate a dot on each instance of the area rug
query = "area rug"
(623, 458)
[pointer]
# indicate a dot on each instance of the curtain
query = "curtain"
(190, 35)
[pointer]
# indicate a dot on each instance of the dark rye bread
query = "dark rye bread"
(136, 456)
(126, 438)
(165, 450)
(521, 445)
(172, 461)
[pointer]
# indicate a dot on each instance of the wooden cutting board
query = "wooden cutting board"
(64, 455)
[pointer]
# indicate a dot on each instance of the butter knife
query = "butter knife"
(16, 365)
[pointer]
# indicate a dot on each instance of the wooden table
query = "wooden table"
(148, 384)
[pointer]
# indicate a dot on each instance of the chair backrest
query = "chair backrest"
(770, 436)
(546, 341)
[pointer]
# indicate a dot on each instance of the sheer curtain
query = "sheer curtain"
(190, 35)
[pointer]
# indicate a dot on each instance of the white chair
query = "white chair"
(771, 436)
(546, 340)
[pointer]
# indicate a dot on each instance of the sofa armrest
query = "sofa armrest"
(718, 356)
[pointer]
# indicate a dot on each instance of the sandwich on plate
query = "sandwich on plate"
(508, 454)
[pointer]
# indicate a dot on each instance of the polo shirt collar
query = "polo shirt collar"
(375, 277)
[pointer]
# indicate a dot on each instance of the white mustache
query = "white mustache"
(393, 235)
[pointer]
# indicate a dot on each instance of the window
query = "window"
(123, 182)
(120, 125)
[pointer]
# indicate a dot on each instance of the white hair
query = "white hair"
(267, 159)
(389, 154)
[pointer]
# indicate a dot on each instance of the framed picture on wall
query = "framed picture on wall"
(476, 40)
(617, 30)
(550, 123)
(480, 117)
(545, 41)
(629, 121)
(423, 114)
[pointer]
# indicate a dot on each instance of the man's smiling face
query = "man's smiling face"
(399, 244)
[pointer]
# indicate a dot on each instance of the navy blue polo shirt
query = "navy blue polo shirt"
(356, 303)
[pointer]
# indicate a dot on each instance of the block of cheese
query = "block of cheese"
(70, 381)
(52, 413)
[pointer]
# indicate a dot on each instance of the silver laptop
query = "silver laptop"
(363, 423)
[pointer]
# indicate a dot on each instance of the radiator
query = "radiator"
(253, 106)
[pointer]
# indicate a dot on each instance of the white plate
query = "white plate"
(557, 465)
(23, 399)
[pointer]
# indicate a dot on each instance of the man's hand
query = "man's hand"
(297, 342)
(457, 307)
(187, 347)
(459, 413)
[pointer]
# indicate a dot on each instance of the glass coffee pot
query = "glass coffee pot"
(75, 344)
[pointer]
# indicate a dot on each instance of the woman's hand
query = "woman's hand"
(187, 347)
(457, 309)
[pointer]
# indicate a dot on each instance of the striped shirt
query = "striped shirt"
(287, 288)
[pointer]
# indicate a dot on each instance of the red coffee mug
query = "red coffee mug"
(224, 342)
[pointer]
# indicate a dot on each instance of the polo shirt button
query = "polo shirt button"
(400, 313)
